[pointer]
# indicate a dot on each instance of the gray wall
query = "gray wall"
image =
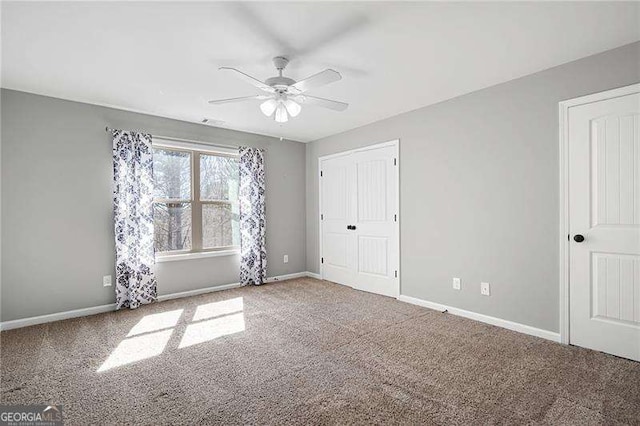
(57, 218)
(479, 189)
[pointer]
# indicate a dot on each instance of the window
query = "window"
(196, 201)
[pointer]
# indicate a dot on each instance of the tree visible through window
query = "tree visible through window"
(196, 201)
(219, 198)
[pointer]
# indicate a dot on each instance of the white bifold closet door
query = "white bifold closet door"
(359, 232)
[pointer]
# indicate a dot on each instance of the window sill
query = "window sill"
(200, 255)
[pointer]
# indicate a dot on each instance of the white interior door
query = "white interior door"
(375, 232)
(337, 189)
(359, 213)
(604, 208)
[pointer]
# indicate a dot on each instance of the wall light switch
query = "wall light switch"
(456, 284)
(485, 289)
(106, 281)
(286, 258)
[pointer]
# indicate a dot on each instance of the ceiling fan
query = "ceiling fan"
(284, 95)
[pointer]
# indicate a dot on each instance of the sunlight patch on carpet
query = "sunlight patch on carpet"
(205, 331)
(136, 349)
(155, 322)
(150, 336)
(217, 309)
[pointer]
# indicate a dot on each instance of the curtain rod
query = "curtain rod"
(107, 129)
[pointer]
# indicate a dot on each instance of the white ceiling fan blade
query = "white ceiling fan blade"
(251, 80)
(325, 103)
(317, 80)
(244, 98)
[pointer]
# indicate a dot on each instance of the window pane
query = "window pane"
(172, 174)
(220, 225)
(218, 178)
(172, 226)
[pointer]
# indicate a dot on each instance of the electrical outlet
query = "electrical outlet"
(106, 281)
(485, 289)
(456, 284)
(286, 258)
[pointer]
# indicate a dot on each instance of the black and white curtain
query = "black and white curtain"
(253, 254)
(133, 211)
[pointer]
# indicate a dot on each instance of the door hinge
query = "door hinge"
(396, 274)
(395, 217)
(321, 216)
(395, 161)
(322, 260)
(568, 237)
(320, 173)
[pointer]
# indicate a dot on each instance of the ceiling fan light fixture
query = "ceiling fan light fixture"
(284, 96)
(281, 114)
(292, 108)
(268, 107)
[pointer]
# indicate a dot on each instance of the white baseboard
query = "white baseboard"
(198, 291)
(41, 319)
(314, 275)
(287, 277)
(514, 326)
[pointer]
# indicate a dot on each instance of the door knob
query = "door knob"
(578, 238)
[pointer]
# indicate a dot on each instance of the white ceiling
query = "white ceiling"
(162, 58)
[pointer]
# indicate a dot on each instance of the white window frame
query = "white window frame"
(197, 251)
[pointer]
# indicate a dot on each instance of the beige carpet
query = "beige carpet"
(308, 352)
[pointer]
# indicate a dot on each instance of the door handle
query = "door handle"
(578, 238)
(351, 227)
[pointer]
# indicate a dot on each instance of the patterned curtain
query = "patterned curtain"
(133, 211)
(253, 253)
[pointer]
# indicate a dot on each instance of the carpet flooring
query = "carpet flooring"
(308, 352)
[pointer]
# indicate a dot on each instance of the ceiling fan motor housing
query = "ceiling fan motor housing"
(280, 82)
